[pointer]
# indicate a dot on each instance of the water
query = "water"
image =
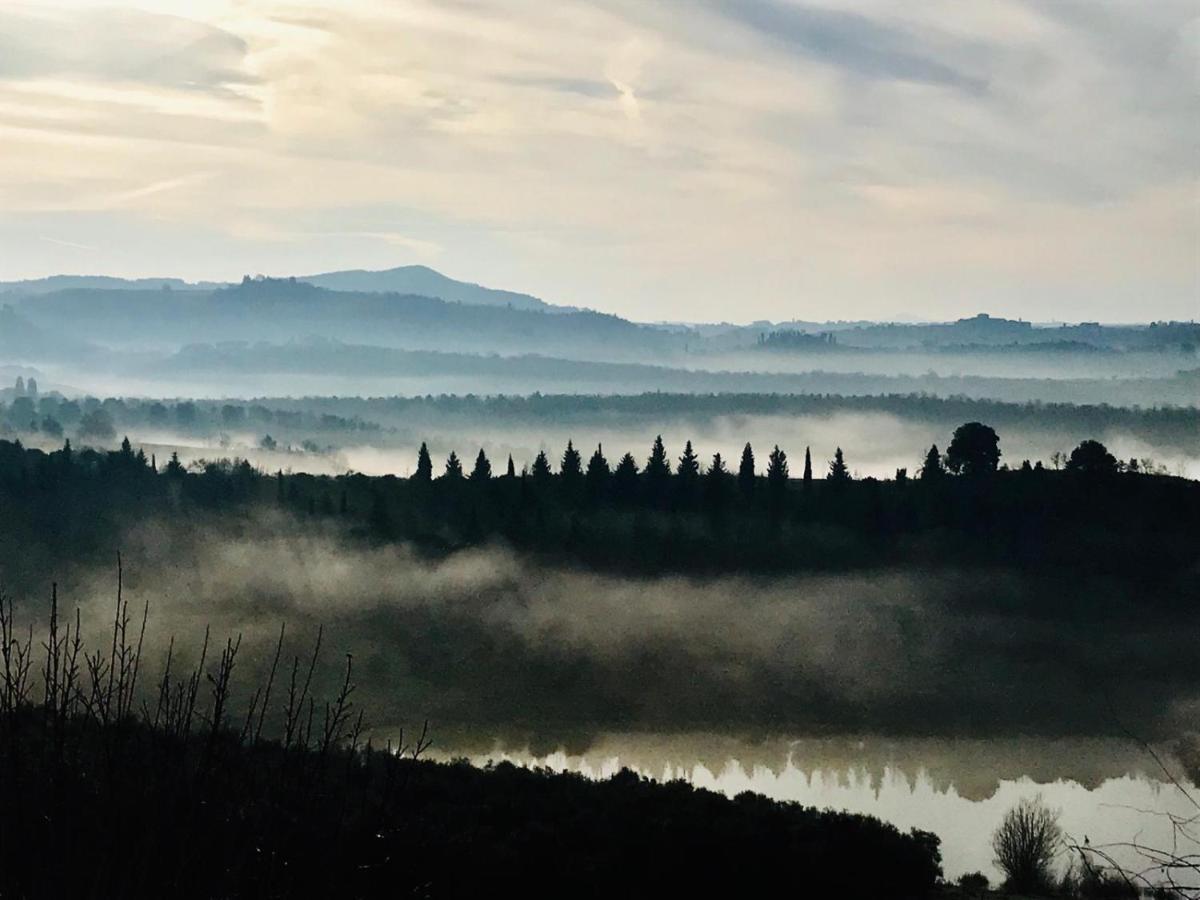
(1108, 791)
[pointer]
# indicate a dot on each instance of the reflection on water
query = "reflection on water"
(1108, 790)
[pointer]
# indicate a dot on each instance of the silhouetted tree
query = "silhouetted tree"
(808, 476)
(745, 476)
(657, 466)
(974, 450)
(483, 468)
(597, 474)
(541, 469)
(838, 473)
(1092, 458)
(777, 468)
(512, 470)
(689, 466)
(454, 469)
(572, 467)
(715, 481)
(175, 468)
(625, 478)
(424, 473)
(932, 467)
(1025, 845)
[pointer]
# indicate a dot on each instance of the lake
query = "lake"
(1108, 790)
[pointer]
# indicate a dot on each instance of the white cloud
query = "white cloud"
(676, 160)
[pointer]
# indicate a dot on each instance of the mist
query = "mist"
(498, 650)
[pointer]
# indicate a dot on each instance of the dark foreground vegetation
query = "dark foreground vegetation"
(117, 783)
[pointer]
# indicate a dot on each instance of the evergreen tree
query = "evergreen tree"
(715, 481)
(572, 466)
(745, 475)
(597, 473)
(777, 467)
(625, 478)
(541, 468)
(424, 473)
(454, 469)
(932, 467)
(689, 466)
(658, 469)
(512, 470)
(777, 479)
(838, 473)
(808, 467)
(483, 468)
(175, 467)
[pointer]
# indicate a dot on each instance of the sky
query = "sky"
(701, 160)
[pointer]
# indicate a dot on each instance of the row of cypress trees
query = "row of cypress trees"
(658, 467)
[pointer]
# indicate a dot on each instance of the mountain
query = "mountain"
(426, 282)
(271, 309)
(419, 280)
(49, 285)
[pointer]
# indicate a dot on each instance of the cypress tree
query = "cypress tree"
(715, 480)
(932, 467)
(657, 466)
(572, 466)
(745, 475)
(512, 470)
(689, 466)
(541, 468)
(483, 468)
(808, 467)
(777, 468)
(597, 473)
(625, 478)
(424, 473)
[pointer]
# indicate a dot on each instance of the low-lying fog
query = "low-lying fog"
(734, 682)
(552, 656)
(875, 444)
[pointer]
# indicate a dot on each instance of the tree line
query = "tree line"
(672, 513)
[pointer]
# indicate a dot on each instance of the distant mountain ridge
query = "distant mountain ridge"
(426, 282)
(54, 283)
(411, 280)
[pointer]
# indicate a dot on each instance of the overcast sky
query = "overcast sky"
(661, 159)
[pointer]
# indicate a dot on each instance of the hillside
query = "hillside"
(426, 282)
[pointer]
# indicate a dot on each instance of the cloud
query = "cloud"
(115, 44)
(654, 160)
(848, 41)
